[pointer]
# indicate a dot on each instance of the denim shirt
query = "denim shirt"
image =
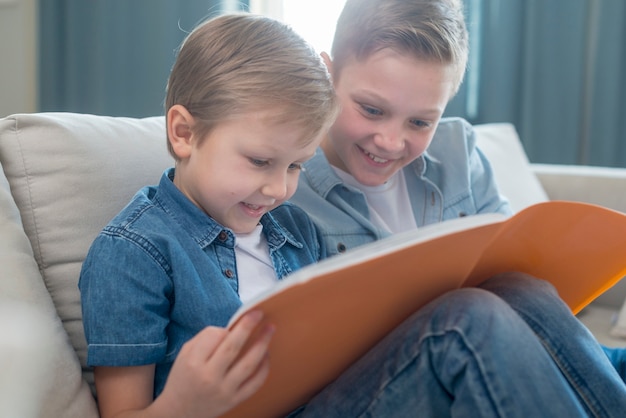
(451, 179)
(162, 270)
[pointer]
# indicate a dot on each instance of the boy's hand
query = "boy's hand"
(209, 377)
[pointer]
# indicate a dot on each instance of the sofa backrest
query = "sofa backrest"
(501, 145)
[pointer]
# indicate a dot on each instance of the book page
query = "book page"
(580, 248)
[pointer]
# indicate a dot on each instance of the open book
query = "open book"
(329, 314)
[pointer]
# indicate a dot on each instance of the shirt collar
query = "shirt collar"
(204, 229)
(320, 174)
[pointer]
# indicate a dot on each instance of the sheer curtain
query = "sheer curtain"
(112, 57)
(556, 70)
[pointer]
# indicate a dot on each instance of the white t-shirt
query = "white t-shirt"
(254, 266)
(389, 204)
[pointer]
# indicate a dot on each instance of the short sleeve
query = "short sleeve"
(125, 298)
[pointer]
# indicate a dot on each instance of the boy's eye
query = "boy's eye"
(295, 166)
(419, 123)
(258, 163)
(372, 111)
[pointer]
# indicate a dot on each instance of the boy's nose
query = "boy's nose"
(391, 140)
(275, 187)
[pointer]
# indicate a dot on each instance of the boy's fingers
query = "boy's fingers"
(204, 344)
(255, 381)
(249, 365)
(233, 343)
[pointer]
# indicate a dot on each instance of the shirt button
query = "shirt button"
(462, 214)
(341, 247)
(223, 236)
(229, 273)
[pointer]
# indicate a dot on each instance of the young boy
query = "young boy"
(391, 163)
(247, 103)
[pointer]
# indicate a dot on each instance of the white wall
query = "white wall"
(18, 56)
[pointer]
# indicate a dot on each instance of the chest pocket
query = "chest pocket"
(338, 244)
(463, 207)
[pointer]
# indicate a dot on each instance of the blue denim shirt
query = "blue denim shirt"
(451, 179)
(162, 270)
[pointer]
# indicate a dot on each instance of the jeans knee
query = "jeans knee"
(474, 304)
(475, 314)
(519, 282)
(529, 296)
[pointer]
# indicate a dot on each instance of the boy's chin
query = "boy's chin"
(370, 180)
(243, 230)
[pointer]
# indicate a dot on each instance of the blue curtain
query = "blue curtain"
(112, 57)
(555, 69)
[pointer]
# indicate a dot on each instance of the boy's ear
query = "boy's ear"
(179, 133)
(328, 62)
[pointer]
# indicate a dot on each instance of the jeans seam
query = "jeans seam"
(570, 374)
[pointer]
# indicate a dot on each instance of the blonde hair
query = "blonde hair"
(239, 63)
(431, 30)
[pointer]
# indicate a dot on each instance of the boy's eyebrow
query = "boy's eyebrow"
(371, 93)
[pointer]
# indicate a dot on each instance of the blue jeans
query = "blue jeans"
(508, 349)
(596, 373)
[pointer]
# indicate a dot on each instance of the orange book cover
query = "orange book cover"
(329, 314)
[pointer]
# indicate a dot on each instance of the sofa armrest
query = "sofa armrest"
(603, 186)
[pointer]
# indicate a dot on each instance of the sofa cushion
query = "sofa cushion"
(39, 366)
(512, 171)
(69, 175)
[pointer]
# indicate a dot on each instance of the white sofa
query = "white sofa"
(65, 175)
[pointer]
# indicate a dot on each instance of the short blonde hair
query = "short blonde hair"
(239, 63)
(431, 30)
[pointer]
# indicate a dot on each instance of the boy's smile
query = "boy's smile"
(244, 168)
(390, 107)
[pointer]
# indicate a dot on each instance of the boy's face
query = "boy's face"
(391, 105)
(244, 168)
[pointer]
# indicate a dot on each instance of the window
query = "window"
(314, 20)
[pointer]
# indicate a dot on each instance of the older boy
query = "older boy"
(391, 163)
